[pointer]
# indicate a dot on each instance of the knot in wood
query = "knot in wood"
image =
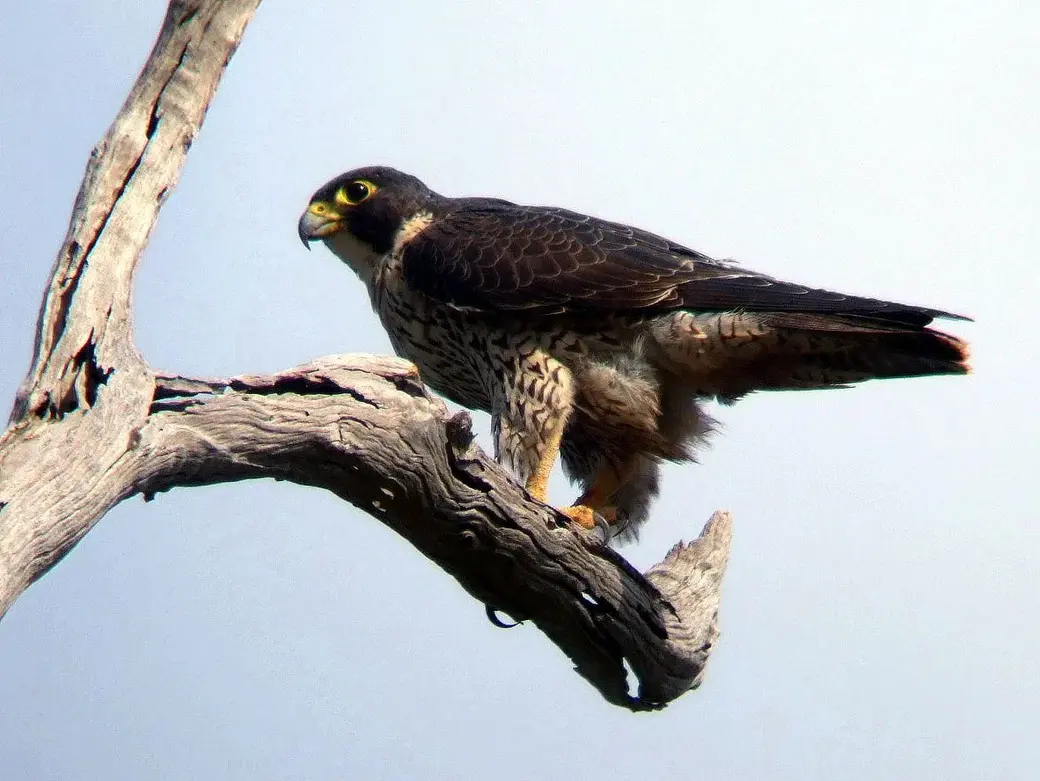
(459, 429)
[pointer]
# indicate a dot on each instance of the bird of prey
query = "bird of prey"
(593, 340)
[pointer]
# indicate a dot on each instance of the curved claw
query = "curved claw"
(492, 614)
(603, 527)
(592, 520)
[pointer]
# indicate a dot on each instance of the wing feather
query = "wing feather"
(497, 256)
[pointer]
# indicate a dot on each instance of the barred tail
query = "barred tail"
(729, 354)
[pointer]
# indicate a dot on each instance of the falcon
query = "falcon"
(594, 341)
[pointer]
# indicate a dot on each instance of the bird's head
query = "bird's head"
(358, 214)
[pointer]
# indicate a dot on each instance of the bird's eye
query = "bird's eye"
(358, 191)
(355, 192)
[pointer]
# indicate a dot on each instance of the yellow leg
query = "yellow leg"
(604, 485)
(596, 499)
(560, 395)
(538, 482)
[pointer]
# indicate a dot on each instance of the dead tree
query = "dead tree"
(93, 424)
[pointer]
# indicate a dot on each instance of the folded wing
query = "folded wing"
(496, 256)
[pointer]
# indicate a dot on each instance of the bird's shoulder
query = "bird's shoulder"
(498, 217)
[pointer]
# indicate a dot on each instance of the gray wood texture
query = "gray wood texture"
(93, 424)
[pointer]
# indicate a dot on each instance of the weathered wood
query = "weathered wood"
(365, 428)
(93, 425)
(62, 459)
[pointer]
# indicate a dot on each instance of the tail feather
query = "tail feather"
(734, 353)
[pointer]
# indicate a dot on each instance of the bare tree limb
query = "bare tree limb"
(93, 425)
(365, 428)
(62, 458)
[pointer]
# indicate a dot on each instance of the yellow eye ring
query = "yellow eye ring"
(355, 192)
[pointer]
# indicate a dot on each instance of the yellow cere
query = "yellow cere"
(321, 209)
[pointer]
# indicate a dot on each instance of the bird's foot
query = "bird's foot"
(588, 518)
(581, 515)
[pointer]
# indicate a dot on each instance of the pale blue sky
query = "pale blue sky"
(880, 612)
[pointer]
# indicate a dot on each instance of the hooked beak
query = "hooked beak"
(314, 226)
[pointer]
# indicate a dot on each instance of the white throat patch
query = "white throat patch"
(356, 254)
(409, 229)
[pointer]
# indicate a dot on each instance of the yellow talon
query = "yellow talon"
(580, 514)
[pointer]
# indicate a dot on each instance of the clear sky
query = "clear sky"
(880, 615)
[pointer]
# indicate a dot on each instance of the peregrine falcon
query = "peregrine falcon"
(592, 340)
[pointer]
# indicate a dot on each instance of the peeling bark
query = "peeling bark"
(93, 424)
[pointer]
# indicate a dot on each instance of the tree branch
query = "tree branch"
(364, 428)
(62, 462)
(93, 425)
